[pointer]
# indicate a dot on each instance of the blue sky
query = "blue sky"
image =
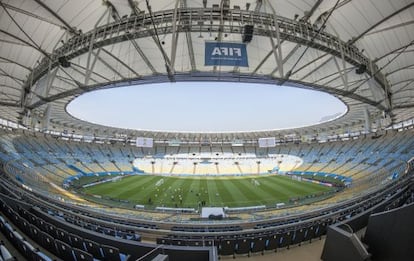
(205, 107)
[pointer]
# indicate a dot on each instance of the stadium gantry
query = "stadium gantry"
(51, 52)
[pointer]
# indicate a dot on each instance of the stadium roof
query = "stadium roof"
(52, 51)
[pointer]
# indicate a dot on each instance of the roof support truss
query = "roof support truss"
(278, 46)
(47, 8)
(344, 76)
(382, 21)
(174, 35)
(14, 62)
(189, 42)
(143, 26)
(121, 62)
(137, 12)
(287, 57)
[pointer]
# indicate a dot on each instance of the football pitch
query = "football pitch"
(193, 192)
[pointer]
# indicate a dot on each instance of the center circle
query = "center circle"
(206, 107)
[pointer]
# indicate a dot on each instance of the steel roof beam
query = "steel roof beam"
(317, 68)
(278, 46)
(322, 42)
(310, 63)
(38, 17)
(313, 35)
(265, 58)
(304, 18)
(135, 28)
(174, 33)
(391, 27)
(397, 50)
(13, 42)
(143, 56)
(25, 42)
(189, 43)
(76, 66)
(375, 73)
(220, 28)
(258, 5)
(410, 66)
(9, 104)
(409, 82)
(47, 8)
(404, 106)
(17, 80)
(343, 76)
(121, 62)
(287, 57)
(114, 13)
(309, 13)
(346, 70)
(191, 77)
(353, 40)
(9, 95)
(137, 12)
(10, 87)
(108, 65)
(167, 62)
(14, 62)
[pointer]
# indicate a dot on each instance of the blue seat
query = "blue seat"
(25, 227)
(27, 249)
(110, 253)
(272, 242)
(48, 242)
(285, 240)
(297, 236)
(40, 256)
(93, 248)
(65, 251)
(76, 241)
(309, 234)
(259, 245)
(62, 235)
(81, 255)
(5, 253)
(227, 247)
(243, 246)
(36, 233)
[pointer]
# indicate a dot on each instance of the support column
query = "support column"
(367, 121)
(46, 118)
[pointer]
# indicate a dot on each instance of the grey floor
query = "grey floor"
(308, 252)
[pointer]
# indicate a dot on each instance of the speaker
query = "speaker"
(63, 61)
(361, 69)
(248, 33)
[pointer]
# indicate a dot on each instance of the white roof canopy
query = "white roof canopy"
(52, 51)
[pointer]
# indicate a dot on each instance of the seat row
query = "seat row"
(253, 243)
(25, 247)
(59, 242)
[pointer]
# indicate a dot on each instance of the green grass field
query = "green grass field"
(215, 191)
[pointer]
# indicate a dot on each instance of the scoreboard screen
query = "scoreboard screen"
(144, 142)
(267, 142)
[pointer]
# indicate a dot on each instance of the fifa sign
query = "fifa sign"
(226, 51)
(225, 54)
